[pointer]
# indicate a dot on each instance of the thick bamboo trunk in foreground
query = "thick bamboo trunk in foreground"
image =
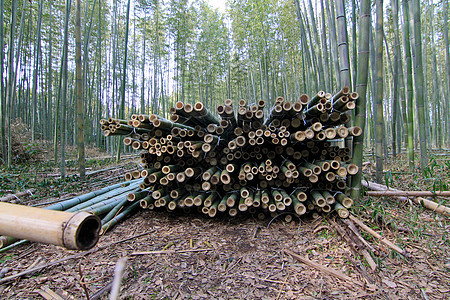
(77, 231)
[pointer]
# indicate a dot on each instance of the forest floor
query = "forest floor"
(239, 258)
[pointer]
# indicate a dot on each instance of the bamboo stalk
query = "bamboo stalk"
(418, 200)
(50, 226)
(408, 193)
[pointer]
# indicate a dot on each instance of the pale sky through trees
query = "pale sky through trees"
(219, 4)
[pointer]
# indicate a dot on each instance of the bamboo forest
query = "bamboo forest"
(235, 149)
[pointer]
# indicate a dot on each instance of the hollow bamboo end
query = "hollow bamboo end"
(343, 213)
(345, 90)
(179, 105)
(82, 231)
(198, 106)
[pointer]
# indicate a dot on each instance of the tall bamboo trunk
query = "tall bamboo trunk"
(11, 80)
(447, 72)
(361, 89)
(342, 44)
(64, 80)
(409, 83)
(379, 120)
(419, 83)
(37, 57)
(2, 87)
(79, 93)
(395, 92)
(124, 79)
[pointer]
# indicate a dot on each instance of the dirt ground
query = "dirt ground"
(244, 258)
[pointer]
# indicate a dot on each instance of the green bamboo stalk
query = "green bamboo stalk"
(115, 193)
(342, 44)
(103, 209)
(2, 85)
(223, 204)
(347, 202)
(124, 76)
(122, 215)
(210, 199)
(378, 103)
(446, 89)
(419, 83)
(299, 207)
(79, 199)
(318, 199)
(334, 47)
(79, 94)
(361, 89)
(21, 242)
(330, 199)
(103, 203)
(409, 83)
(6, 241)
(213, 208)
(395, 79)
(149, 200)
(300, 195)
(138, 195)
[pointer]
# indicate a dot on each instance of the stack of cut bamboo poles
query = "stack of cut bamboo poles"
(290, 161)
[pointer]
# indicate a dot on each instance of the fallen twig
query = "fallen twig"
(357, 245)
(263, 279)
(377, 236)
(169, 251)
(10, 197)
(324, 269)
(282, 287)
(48, 294)
(355, 230)
(118, 274)
(101, 291)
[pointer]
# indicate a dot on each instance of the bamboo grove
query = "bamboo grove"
(141, 57)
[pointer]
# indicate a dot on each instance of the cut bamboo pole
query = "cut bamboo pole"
(408, 193)
(418, 200)
(77, 231)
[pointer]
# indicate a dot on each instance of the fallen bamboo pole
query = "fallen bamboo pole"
(436, 207)
(408, 193)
